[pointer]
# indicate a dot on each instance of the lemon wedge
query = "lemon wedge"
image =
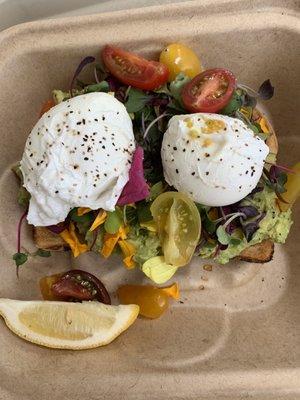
(63, 325)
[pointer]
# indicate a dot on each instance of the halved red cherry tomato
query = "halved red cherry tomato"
(134, 70)
(209, 91)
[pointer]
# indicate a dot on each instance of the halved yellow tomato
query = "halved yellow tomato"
(178, 226)
(180, 58)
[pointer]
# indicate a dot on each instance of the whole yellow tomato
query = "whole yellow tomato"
(180, 58)
(153, 301)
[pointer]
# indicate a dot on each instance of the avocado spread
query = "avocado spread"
(275, 225)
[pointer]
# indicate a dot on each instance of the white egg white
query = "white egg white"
(214, 159)
(77, 155)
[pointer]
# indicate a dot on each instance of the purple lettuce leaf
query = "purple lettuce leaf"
(249, 211)
(114, 83)
(274, 173)
(220, 247)
(249, 230)
(82, 64)
(159, 101)
(266, 90)
(58, 228)
(276, 179)
(120, 94)
(225, 210)
(231, 227)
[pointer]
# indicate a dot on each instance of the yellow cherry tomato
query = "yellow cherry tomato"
(180, 58)
(292, 187)
(178, 226)
(153, 301)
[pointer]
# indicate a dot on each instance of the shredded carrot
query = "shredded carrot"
(100, 219)
(69, 236)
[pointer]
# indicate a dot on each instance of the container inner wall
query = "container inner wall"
(239, 334)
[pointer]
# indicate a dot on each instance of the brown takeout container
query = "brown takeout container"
(235, 332)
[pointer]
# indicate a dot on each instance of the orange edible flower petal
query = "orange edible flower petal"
(47, 106)
(123, 232)
(128, 251)
(172, 291)
(69, 236)
(83, 210)
(110, 241)
(101, 217)
(128, 262)
(264, 125)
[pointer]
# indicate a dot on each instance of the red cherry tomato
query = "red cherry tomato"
(209, 91)
(134, 70)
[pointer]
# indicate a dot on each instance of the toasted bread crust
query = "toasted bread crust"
(258, 253)
(47, 240)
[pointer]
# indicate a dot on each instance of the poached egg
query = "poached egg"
(77, 155)
(214, 159)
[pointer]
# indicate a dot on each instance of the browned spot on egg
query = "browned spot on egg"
(213, 126)
(207, 142)
(194, 133)
(189, 122)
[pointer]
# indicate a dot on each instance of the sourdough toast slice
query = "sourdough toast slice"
(258, 253)
(47, 240)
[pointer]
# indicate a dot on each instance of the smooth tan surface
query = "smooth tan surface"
(14, 12)
(238, 338)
